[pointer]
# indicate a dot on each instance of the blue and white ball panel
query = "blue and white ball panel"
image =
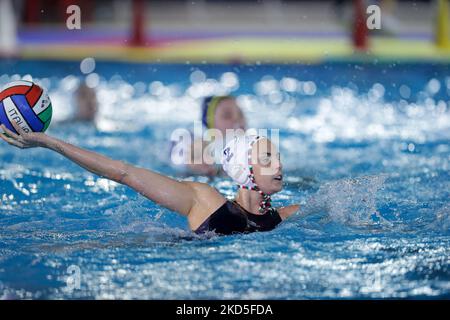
(34, 123)
(13, 114)
(4, 118)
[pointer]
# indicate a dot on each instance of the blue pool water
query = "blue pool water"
(369, 142)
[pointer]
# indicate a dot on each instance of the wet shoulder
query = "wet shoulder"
(207, 201)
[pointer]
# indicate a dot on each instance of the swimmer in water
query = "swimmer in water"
(218, 112)
(86, 102)
(85, 105)
(253, 163)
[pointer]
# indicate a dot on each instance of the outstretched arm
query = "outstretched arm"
(172, 194)
(315, 204)
(286, 212)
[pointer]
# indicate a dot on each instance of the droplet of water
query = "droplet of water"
(92, 80)
(309, 88)
(289, 84)
(230, 80)
(433, 86)
(87, 65)
(405, 91)
(197, 76)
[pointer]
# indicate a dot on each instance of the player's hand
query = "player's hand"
(22, 140)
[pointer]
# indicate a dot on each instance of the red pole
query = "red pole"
(359, 27)
(32, 11)
(138, 36)
(62, 8)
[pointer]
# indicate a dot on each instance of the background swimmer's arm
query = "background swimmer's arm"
(174, 195)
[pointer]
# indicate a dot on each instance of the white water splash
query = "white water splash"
(350, 201)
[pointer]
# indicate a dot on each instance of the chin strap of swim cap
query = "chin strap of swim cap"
(237, 163)
(266, 201)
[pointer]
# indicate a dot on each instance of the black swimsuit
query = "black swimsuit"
(232, 218)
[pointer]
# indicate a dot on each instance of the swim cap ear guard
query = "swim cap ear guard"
(236, 162)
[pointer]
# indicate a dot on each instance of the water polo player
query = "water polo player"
(85, 106)
(251, 161)
(218, 112)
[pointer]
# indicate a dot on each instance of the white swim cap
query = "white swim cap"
(236, 159)
(236, 162)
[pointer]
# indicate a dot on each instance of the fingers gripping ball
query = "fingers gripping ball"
(27, 104)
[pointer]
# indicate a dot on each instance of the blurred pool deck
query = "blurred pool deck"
(276, 32)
